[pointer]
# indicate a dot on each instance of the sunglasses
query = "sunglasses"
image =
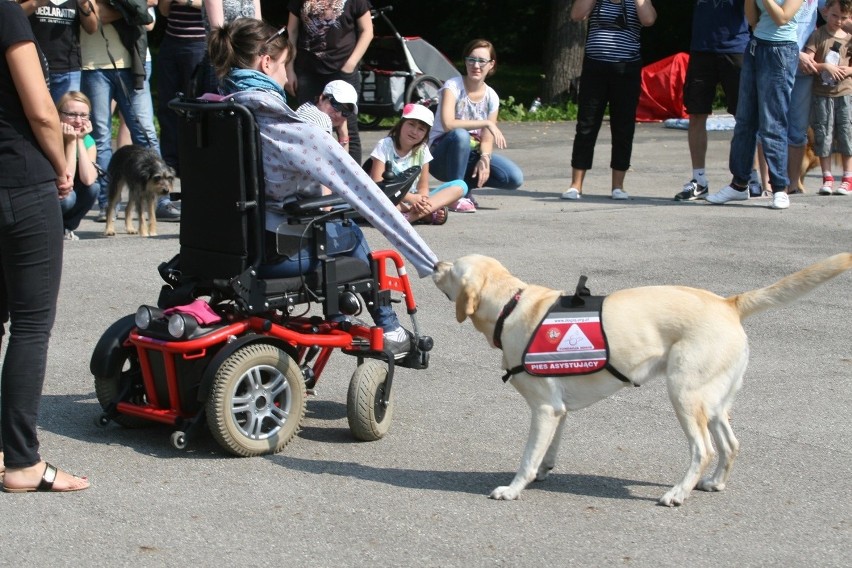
(344, 109)
(280, 33)
(80, 115)
(477, 62)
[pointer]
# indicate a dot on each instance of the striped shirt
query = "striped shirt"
(185, 23)
(614, 32)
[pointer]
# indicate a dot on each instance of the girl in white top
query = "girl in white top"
(466, 131)
(406, 147)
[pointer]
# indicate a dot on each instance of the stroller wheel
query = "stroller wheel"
(368, 121)
(424, 91)
(257, 401)
(369, 419)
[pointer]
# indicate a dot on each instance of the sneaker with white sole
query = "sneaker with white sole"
(780, 200)
(168, 212)
(619, 194)
(827, 186)
(70, 236)
(101, 218)
(844, 188)
(463, 205)
(399, 342)
(572, 194)
(691, 191)
(727, 194)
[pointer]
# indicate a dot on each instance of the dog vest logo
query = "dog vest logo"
(568, 341)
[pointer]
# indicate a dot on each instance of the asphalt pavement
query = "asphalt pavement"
(418, 496)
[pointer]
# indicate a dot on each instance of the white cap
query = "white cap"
(309, 113)
(342, 92)
(418, 112)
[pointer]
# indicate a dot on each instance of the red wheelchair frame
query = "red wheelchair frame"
(249, 374)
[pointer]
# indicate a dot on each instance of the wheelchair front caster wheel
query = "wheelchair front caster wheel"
(178, 440)
(369, 419)
(102, 421)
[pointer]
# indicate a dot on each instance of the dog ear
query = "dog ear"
(467, 301)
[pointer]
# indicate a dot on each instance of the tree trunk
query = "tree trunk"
(563, 54)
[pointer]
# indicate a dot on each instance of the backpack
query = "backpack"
(134, 12)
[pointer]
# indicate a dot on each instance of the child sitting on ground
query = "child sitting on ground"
(830, 110)
(406, 146)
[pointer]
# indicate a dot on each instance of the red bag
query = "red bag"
(661, 96)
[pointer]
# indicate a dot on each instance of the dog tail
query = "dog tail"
(792, 287)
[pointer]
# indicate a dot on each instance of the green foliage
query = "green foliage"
(512, 111)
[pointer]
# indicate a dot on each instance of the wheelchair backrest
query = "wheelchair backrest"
(221, 231)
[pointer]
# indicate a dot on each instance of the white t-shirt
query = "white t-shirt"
(466, 109)
(385, 151)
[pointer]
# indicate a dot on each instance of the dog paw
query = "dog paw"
(710, 485)
(109, 233)
(505, 493)
(543, 472)
(133, 232)
(673, 498)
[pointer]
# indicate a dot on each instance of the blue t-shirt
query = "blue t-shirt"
(719, 27)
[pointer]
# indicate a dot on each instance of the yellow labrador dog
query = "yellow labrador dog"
(693, 338)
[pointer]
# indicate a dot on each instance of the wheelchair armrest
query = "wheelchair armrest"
(394, 187)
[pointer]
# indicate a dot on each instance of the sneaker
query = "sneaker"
(168, 212)
(572, 194)
(726, 194)
(101, 218)
(754, 188)
(398, 342)
(827, 186)
(619, 194)
(691, 191)
(780, 200)
(845, 188)
(70, 236)
(463, 205)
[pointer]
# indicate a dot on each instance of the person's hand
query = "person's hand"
(499, 139)
(482, 170)
(837, 73)
(69, 133)
(292, 81)
(349, 67)
(86, 129)
(806, 63)
(64, 184)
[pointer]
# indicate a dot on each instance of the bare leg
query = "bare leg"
(795, 154)
(577, 177)
(618, 179)
(697, 137)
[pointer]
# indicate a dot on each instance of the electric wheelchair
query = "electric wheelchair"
(239, 353)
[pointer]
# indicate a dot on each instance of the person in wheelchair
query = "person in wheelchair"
(250, 58)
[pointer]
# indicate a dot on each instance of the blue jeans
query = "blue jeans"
(31, 260)
(104, 85)
(800, 110)
(61, 83)
(77, 203)
(343, 240)
(454, 159)
(178, 59)
(766, 83)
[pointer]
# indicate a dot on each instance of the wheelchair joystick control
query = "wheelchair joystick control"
(388, 175)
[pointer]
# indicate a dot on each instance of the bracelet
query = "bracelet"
(486, 155)
(343, 141)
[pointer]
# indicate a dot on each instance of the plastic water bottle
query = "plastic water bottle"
(832, 57)
(536, 104)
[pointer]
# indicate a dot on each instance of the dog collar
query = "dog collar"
(504, 313)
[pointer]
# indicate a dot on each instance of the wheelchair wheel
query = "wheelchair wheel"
(368, 418)
(369, 121)
(424, 90)
(108, 387)
(257, 401)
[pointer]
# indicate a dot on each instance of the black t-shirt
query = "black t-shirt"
(57, 30)
(22, 161)
(327, 36)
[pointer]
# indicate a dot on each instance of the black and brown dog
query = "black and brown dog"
(147, 177)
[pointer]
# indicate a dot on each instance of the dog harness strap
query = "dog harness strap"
(504, 313)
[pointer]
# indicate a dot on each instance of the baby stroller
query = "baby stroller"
(226, 348)
(397, 70)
